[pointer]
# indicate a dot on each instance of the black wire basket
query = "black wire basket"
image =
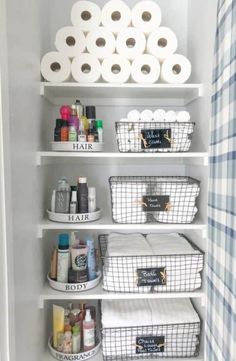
(137, 200)
(136, 137)
(152, 273)
(177, 340)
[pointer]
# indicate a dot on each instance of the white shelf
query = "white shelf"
(99, 357)
(196, 158)
(98, 293)
(105, 223)
(123, 94)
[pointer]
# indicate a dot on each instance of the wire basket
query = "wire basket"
(136, 137)
(177, 340)
(145, 199)
(152, 273)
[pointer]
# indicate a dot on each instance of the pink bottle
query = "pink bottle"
(65, 112)
(88, 332)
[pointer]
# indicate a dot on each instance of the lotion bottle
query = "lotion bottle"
(88, 332)
(63, 256)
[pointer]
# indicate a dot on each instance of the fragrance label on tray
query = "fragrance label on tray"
(155, 138)
(151, 276)
(150, 344)
(156, 203)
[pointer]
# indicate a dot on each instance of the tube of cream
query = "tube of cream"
(91, 260)
(79, 258)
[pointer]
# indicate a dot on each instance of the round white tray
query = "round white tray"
(74, 218)
(72, 356)
(77, 146)
(74, 287)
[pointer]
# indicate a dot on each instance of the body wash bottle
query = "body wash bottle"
(92, 274)
(88, 332)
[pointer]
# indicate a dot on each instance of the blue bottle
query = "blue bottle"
(92, 274)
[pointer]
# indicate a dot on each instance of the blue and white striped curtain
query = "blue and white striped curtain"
(221, 278)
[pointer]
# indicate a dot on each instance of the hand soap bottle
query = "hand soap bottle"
(88, 332)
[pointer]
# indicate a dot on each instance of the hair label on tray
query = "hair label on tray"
(151, 276)
(155, 138)
(150, 344)
(156, 203)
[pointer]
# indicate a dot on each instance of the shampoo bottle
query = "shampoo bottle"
(82, 195)
(88, 332)
(63, 256)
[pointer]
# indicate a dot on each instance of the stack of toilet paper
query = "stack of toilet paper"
(116, 44)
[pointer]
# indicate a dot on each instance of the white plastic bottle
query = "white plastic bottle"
(91, 199)
(88, 332)
(63, 257)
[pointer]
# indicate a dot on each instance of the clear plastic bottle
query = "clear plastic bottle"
(72, 133)
(88, 332)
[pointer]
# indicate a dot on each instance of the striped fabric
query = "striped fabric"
(221, 277)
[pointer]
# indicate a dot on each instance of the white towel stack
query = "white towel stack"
(126, 207)
(176, 320)
(182, 202)
(126, 253)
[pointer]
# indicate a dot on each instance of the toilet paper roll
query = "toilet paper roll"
(116, 15)
(146, 15)
(116, 69)
(131, 43)
(86, 15)
(183, 116)
(145, 69)
(162, 42)
(146, 115)
(55, 67)
(176, 69)
(101, 43)
(159, 115)
(171, 116)
(86, 69)
(70, 41)
(133, 116)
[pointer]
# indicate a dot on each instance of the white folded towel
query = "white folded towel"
(147, 312)
(169, 244)
(126, 206)
(134, 244)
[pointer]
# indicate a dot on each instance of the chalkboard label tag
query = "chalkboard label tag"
(150, 344)
(155, 138)
(151, 276)
(156, 203)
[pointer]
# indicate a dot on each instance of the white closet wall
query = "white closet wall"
(31, 28)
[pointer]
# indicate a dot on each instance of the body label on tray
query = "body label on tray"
(156, 203)
(150, 344)
(151, 276)
(155, 138)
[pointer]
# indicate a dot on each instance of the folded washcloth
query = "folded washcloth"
(133, 115)
(159, 115)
